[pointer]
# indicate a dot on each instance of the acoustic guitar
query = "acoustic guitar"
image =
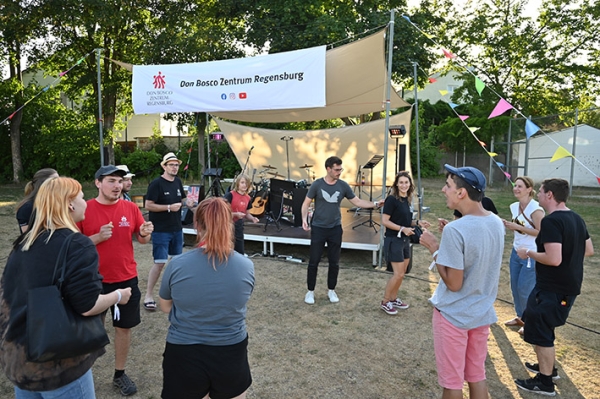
(260, 201)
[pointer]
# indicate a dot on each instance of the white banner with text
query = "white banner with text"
(294, 79)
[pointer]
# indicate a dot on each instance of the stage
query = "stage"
(362, 237)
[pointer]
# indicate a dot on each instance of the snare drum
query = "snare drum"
(301, 183)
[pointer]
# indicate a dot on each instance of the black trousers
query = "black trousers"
(318, 238)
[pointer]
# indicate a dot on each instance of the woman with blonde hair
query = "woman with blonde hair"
(59, 205)
(25, 207)
(205, 291)
(527, 216)
(239, 199)
(397, 217)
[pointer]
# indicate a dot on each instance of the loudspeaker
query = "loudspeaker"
(401, 157)
(213, 172)
(187, 216)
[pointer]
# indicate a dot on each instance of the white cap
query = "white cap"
(128, 174)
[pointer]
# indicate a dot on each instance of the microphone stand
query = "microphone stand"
(247, 159)
(287, 152)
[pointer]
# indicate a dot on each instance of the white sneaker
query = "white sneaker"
(310, 297)
(333, 298)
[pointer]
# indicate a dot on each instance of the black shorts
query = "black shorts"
(396, 249)
(192, 371)
(130, 312)
(544, 312)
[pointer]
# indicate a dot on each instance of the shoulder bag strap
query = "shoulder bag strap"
(526, 218)
(61, 261)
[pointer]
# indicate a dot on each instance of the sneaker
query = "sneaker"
(388, 308)
(309, 297)
(333, 298)
(535, 368)
(397, 303)
(535, 385)
(125, 384)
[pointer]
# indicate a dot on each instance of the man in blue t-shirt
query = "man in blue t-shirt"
(562, 244)
(326, 224)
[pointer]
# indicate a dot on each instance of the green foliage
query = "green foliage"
(144, 164)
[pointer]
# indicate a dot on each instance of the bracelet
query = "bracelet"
(433, 255)
(120, 296)
(169, 208)
(140, 234)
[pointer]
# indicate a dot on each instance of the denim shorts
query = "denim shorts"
(165, 245)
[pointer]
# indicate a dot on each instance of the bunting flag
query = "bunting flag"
(500, 164)
(474, 129)
(443, 92)
(448, 54)
(481, 143)
(500, 108)
(463, 117)
(479, 85)
(492, 154)
(530, 128)
(560, 153)
(432, 80)
(452, 105)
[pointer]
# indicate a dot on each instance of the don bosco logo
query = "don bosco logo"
(159, 81)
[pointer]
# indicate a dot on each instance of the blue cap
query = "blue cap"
(471, 175)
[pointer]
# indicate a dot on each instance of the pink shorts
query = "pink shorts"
(459, 354)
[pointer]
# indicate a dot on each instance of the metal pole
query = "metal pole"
(573, 151)
(490, 170)
(510, 151)
(388, 93)
(100, 116)
(419, 192)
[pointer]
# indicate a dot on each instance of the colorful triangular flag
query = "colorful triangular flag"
(479, 85)
(530, 128)
(492, 154)
(448, 54)
(560, 153)
(432, 80)
(452, 105)
(500, 108)
(443, 92)
(463, 117)
(474, 129)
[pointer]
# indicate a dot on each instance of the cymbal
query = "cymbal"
(275, 174)
(306, 166)
(269, 167)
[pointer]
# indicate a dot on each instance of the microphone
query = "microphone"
(251, 149)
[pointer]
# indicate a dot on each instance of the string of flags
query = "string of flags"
(45, 89)
(501, 107)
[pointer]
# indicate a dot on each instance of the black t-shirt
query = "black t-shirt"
(399, 211)
(24, 213)
(569, 229)
(164, 192)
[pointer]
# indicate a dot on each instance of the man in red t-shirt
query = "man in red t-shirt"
(110, 223)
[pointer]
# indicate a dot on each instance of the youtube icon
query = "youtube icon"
(242, 96)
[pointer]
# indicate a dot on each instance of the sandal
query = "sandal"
(150, 306)
(516, 322)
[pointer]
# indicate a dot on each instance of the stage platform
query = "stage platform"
(363, 237)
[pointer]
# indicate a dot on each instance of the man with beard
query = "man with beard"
(164, 199)
(110, 223)
(127, 182)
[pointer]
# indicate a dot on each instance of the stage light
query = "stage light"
(218, 136)
(397, 131)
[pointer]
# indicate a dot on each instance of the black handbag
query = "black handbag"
(54, 330)
(414, 239)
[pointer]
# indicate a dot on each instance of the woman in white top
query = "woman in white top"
(527, 215)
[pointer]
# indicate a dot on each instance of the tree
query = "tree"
(19, 24)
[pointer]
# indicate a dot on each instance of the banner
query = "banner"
(294, 79)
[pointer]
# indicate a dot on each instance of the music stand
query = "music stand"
(375, 159)
(215, 188)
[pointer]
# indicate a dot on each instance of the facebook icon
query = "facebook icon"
(223, 96)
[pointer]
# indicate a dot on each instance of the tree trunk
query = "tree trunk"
(17, 117)
(201, 123)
